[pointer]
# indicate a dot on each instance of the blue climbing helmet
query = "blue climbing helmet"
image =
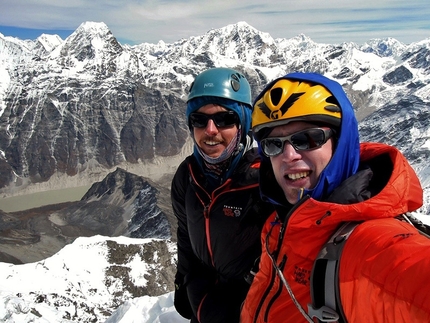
(221, 82)
(230, 89)
(225, 87)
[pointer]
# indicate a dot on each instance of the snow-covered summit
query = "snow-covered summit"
(87, 280)
(91, 74)
(72, 110)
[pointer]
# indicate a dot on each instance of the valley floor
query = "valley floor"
(38, 199)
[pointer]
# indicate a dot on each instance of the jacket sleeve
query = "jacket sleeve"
(180, 184)
(384, 273)
(189, 267)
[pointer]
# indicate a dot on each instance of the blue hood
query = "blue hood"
(345, 160)
(244, 113)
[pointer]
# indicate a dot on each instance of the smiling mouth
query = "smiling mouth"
(297, 176)
(212, 143)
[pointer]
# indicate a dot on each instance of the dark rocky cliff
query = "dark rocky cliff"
(123, 204)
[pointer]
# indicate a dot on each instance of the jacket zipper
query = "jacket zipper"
(278, 292)
(274, 257)
(206, 210)
(272, 278)
(207, 206)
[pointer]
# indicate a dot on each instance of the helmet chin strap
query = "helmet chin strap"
(301, 193)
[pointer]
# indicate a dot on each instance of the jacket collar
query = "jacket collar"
(385, 186)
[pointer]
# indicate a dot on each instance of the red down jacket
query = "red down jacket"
(385, 262)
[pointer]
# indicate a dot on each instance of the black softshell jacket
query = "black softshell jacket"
(218, 239)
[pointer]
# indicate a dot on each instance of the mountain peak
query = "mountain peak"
(241, 26)
(93, 27)
(384, 47)
(89, 39)
(302, 38)
(49, 42)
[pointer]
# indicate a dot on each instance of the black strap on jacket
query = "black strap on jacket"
(325, 291)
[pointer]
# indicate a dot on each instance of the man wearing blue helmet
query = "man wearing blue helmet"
(215, 198)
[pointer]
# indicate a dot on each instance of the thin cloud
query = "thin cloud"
(138, 21)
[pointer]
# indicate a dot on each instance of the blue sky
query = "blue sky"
(138, 21)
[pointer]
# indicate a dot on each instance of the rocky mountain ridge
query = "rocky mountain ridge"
(87, 280)
(75, 109)
(88, 109)
(122, 204)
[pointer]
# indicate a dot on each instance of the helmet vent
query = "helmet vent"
(331, 99)
(276, 95)
(235, 83)
(332, 108)
(334, 104)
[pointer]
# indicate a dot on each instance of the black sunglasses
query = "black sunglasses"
(221, 119)
(308, 139)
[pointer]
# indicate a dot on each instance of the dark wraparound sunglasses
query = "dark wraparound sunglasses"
(221, 119)
(308, 139)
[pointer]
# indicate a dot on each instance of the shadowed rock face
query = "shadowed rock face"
(88, 102)
(59, 135)
(398, 76)
(123, 204)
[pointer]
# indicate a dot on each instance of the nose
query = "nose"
(211, 129)
(289, 154)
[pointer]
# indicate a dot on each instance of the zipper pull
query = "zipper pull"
(206, 211)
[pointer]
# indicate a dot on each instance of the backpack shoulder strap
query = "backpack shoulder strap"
(325, 294)
(422, 228)
(325, 291)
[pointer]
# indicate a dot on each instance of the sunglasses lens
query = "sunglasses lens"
(304, 140)
(225, 119)
(198, 120)
(272, 146)
(221, 119)
(309, 139)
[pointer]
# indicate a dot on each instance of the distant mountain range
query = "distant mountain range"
(89, 110)
(72, 110)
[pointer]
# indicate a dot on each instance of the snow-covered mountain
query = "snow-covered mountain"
(73, 110)
(90, 281)
(87, 280)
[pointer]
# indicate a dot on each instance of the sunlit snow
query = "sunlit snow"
(57, 288)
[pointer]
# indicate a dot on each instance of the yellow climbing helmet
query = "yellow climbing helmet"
(289, 100)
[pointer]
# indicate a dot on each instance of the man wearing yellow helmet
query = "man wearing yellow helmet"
(318, 176)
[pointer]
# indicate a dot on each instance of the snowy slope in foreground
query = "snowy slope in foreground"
(161, 310)
(71, 287)
(148, 310)
(87, 280)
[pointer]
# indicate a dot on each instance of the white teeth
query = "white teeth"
(211, 143)
(297, 175)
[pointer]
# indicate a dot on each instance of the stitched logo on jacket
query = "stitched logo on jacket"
(302, 276)
(232, 211)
